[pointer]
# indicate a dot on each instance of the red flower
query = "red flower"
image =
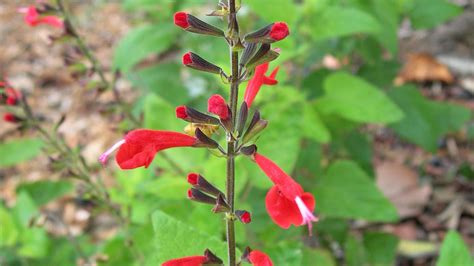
(279, 31)
(140, 146)
(286, 202)
(10, 96)
(11, 118)
(33, 18)
(216, 105)
(258, 258)
(186, 261)
(258, 80)
(181, 20)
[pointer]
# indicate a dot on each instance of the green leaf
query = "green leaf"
(162, 79)
(333, 21)
(34, 243)
(19, 150)
(359, 147)
(454, 251)
(426, 121)
(354, 252)
(381, 248)
(25, 209)
(357, 100)
(9, 231)
(142, 42)
(387, 14)
(430, 13)
(313, 126)
(279, 10)
(320, 257)
(357, 195)
(175, 239)
(44, 191)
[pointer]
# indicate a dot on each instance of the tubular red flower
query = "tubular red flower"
(11, 95)
(33, 18)
(186, 261)
(140, 146)
(217, 105)
(258, 80)
(181, 20)
(258, 258)
(286, 202)
(11, 118)
(279, 31)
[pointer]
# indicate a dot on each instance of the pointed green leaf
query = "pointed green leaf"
(454, 251)
(19, 150)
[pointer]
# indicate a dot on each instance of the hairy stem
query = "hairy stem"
(230, 181)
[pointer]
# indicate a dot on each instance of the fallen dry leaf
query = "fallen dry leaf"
(400, 184)
(422, 67)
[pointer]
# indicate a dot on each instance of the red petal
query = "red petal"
(187, 58)
(309, 201)
(181, 112)
(287, 185)
(141, 146)
(186, 261)
(259, 79)
(217, 105)
(181, 19)
(279, 31)
(258, 258)
(284, 212)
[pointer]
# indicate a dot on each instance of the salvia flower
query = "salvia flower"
(10, 96)
(208, 259)
(139, 147)
(271, 33)
(258, 80)
(192, 24)
(217, 105)
(256, 257)
(194, 61)
(286, 202)
(11, 118)
(33, 18)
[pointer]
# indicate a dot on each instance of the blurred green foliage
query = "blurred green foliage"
(311, 108)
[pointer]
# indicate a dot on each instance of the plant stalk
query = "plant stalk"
(230, 180)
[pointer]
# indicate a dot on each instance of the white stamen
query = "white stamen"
(308, 216)
(105, 155)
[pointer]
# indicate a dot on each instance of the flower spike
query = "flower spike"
(191, 23)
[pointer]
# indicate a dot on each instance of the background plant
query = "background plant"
(332, 127)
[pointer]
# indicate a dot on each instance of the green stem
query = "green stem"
(230, 180)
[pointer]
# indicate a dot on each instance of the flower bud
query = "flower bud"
(11, 118)
(262, 56)
(217, 105)
(248, 52)
(221, 204)
(243, 216)
(199, 182)
(256, 126)
(274, 32)
(192, 24)
(212, 259)
(204, 140)
(194, 61)
(194, 116)
(196, 195)
(242, 119)
(249, 150)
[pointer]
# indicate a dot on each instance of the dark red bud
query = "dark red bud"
(269, 34)
(194, 61)
(11, 118)
(187, 58)
(243, 216)
(199, 182)
(193, 178)
(196, 195)
(221, 204)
